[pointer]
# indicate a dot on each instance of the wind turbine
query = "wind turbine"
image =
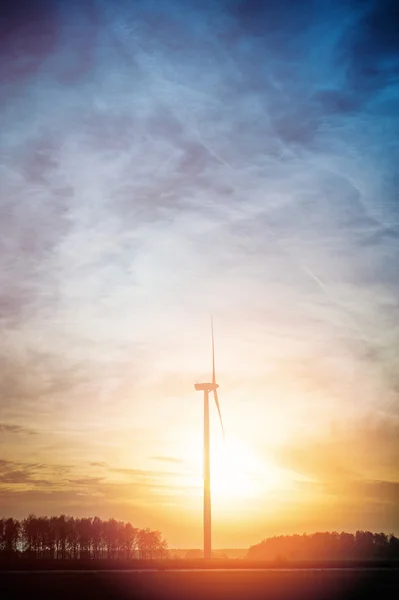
(206, 388)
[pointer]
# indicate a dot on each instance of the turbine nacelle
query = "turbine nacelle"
(206, 387)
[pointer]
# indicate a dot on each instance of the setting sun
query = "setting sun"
(234, 470)
(237, 473)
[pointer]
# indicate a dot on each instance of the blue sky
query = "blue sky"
(161, 161)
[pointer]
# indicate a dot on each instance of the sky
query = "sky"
(162, 161)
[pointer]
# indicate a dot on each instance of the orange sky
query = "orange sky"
(298, 456)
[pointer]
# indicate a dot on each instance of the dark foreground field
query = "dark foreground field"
(206, 584)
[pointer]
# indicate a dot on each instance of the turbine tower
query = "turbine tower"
(206, 388)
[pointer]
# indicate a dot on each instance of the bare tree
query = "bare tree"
(65, 537)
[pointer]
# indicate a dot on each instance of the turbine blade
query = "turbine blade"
(213, 356)
(220, 414)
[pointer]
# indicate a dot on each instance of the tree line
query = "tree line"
(65, 537)
(327, 545)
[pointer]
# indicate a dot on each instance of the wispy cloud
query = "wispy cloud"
(13, 429)
(355, 450)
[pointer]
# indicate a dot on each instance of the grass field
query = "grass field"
(205, 585)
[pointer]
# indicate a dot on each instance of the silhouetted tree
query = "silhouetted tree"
(151, 545)
(97, 537)
(30, 535)
(327, 545)
(130, 540)
(65, 537)
(9, 536)
(62, 529)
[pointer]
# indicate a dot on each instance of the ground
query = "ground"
(205, 585)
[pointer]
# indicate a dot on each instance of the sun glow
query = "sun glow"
(233, 469)
(238, 475)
